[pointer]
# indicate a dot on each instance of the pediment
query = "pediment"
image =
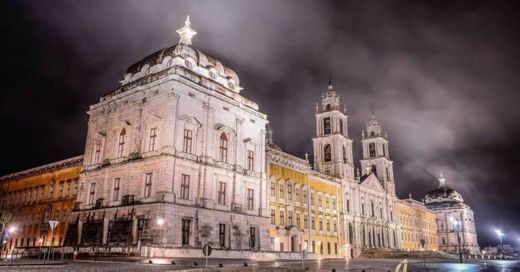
(371, 181)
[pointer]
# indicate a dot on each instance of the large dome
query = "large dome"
(186, 52)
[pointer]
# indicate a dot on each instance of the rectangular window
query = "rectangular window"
(97, 153)
(121, 144)
(327, 202)
(222, 193)
(250, 160)
(51, 190)
(273, 189)
(298, 220)
(252, 237)
(320, 224)
(222, 235)
(148, 185)
(185, 187)
(305, 221)
(151, 141)
(348, 205)
(92, 194)
(328, 224)
(69, 184)
(186, 231)
(282, 218)
(312, 198)
(250, 199)
(289, 191)
(313, 223)
(281, 191)
(273, 216)
(297, 194)
(60, 189)
(187, 144)
(289, 218)
(115, 195)
(319, 200)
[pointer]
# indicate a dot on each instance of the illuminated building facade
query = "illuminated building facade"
(417, 226)
(34, 197)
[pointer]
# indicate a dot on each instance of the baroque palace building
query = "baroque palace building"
(35, 196)
(176, 158)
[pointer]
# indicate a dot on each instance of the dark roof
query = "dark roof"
(441, 192)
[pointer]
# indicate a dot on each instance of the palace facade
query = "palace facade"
(176, 158)
(35, 196)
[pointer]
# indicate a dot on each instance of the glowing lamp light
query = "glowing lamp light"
(160, 221)
(499, 233)
(12, 229)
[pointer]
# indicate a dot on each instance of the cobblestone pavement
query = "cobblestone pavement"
(379, 265)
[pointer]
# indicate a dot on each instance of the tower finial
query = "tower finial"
(442, 181)
(186, 33)
(330, 81)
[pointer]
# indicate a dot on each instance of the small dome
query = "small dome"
(443, 194)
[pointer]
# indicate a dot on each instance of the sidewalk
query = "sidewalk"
(27, 262)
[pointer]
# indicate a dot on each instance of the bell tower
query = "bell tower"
(376, 157)
(332, 145)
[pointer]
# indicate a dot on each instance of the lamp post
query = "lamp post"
(456, 223)
(500, 234)
(5, 234)
(160, 222)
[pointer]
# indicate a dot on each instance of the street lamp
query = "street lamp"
(456, 223)
(160, 222)
(500, 234)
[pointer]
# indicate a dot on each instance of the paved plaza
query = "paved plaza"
(238, 265)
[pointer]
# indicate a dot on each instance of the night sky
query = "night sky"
(442, 78)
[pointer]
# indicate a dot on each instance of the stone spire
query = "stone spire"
(442, 181)
(186, 32)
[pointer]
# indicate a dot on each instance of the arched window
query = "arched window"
(121, 144)
(223, 147)
(344, 155)
(372, 149)
(327, 107)
(341, 126)
(326, 125)
(372, 134)
(327, 152)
